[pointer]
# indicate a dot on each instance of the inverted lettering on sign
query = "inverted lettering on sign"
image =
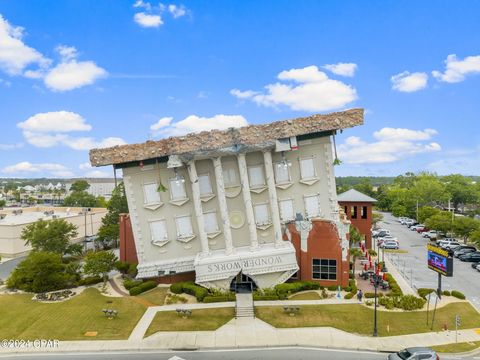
(244, 264)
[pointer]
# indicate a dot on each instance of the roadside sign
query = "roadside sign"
(457, 320)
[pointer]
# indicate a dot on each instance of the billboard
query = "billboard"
(439, 261)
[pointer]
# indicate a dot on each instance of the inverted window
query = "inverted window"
(256, 176)
(261, 214)
(210, 222)
(312, 205)
(177, 189)
(286, 210)
(158, 231)
(307, 169)
(150, 194)
(184, 226)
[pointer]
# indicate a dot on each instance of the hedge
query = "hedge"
(129, 283)
(218, 298)
(405, 302)
(349, 296)
(423, 292)
(371, 295)
(293, 287)
(90, 280)
(189, 288)
(147, 285)
(264, 297)
(446, 293)
(458, 294)
(392, 283)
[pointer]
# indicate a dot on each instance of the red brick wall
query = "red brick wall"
(170, 279)
(323, 243)
(363, 225)
(127, 243)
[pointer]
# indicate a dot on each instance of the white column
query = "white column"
(222, 202)
(272, 194)
(197, 202)
(247, 199)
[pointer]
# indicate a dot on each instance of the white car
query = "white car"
(390, 244)
(432, 234)
(416, 227)
(448, 244)
(478, 267)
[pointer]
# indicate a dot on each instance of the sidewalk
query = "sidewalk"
(240, 333)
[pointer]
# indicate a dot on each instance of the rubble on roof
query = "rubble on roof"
(249, 136)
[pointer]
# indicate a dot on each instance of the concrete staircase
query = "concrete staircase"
(244, 306)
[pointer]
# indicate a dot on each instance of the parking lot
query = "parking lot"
(412, 263)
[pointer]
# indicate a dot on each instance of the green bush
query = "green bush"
(189, 288)
(349, 295)
(458, 294)
(446, 293)
(147, 285)
(410, 302)
(122, 266)
(394, 288)
(294, 287)
(130, 283)
(132, 270)
(423, 292)
(265, 297)
(90, 280)
(332, 287)
(353, 286)
(218, 298)
(371, 295)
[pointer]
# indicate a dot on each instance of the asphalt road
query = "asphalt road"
(252, 354)
(413, 265)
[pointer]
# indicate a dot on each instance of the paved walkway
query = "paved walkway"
(246, 332)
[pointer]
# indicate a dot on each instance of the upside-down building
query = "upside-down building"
(252, 204)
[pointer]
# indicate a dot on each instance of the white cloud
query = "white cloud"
(343, 69)
(15, 56)
(409, 82)
(26, 167)
(97, 174)
(392, 144)
(6, 147)
(142, 4)
(177, 11)
(309, 89)
(194, 123)
(456, 70)
(55, 121)
(85, 166)
(161, 123)
(52, 128)
(71, 74)
(148, 20)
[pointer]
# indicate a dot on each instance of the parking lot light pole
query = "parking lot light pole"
(375, 285)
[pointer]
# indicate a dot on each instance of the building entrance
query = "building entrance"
(242, 284)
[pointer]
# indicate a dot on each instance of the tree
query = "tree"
(475, 237)
(365, 187)
(354, 253)
(426, 212)
(41, 272)
(80, 199)
(376, 218)
(441, 222)
(99, 263)
(110, 230)
(355, 235)
(427, 189)
(79, 185)
(50, 236)
(2, 203)
(461, 188)
(463, 226)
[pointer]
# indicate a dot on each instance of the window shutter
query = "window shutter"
(205, 185)
(281, 173)
(312, 206)
(210, 221)
(255, 174)
(151, 195)
(261, 214)
(177, 189)
(307, 168)
(158, 230)
(184, 226)
(286, 210)
(229, 176)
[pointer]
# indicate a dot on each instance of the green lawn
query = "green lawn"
(155, 296)
(358, 319)
(201, 320)
(311, 295)
(457, 348)
(22, 318)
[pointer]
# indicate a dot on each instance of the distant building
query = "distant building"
(12, 222)
(98, 186)
(358, 209)
(256, 204)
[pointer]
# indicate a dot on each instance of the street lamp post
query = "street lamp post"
(375, 285)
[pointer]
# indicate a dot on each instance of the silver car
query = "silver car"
(415, 353)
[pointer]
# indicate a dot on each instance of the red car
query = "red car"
(421, 230)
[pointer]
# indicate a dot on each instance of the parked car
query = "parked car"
(401, 218)
(382, 232)
(478, 267)
(414, 353)
(472, 256)
(390, 244)
(452, 249)
(416, 227)
(411, 223)
(475, 265)
(463, 250)
(422, 230)
(447, 244)
(432, 234)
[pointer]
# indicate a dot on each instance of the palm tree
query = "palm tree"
(354, 253)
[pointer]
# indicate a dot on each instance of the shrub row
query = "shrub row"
(371, 295)
(265, 297)
(145, 286)
(405, 302)
(294, 287)
(392, 283)
(219, 298)
(423, 292)
(458, 294)
(190, 288)
(446, 293)
(130, 283)
(90, 280)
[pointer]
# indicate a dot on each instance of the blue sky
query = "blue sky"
(77, 74)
